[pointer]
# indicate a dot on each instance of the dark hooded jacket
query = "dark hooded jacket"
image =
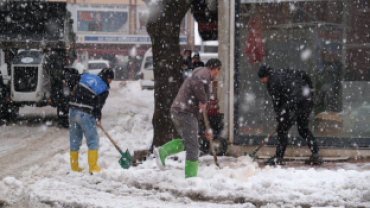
(197, 64)
(187, 62)
(86, 100)
(288, 88)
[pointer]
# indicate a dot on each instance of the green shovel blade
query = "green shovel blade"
(253, 156)
(125, 160)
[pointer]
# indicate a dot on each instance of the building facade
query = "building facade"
(330, 40)
(116, 31)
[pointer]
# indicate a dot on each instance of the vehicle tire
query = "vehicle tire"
(12, 112)
(63, 115)
(63, 122)
(203, 144)
(3, 110)
(220, 146)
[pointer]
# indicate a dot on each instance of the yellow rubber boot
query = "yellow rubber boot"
(74, 161)
(93, 158)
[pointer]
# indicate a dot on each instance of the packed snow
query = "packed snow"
(240, 182)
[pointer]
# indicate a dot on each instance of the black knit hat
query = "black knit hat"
(196, 55)
(105, 74)
(264, 71)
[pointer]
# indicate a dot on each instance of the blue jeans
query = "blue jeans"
(82, 123)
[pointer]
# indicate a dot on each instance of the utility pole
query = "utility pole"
(132, 24)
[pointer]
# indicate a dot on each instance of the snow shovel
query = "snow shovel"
(253, 154)
(126, 159)
(210, 141)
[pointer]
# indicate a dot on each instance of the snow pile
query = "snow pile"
(11, 190)
(238, 181)
(13, 193)
(127, 117)
(115, 186)
(130, 126)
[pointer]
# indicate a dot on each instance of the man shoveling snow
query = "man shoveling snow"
(193, 96)
(85, 113)
(291, 92)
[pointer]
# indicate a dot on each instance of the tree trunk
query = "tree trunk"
(163, 26)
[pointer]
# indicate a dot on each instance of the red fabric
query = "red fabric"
(213, 108)
(254, 47)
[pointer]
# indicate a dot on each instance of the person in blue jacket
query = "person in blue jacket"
(86, 104)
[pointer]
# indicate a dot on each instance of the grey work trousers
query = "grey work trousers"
(187, 126)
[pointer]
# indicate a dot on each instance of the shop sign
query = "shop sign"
(119, 39)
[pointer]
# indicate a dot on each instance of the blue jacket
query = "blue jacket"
(90, 95)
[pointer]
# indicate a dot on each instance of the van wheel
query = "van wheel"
(63, 122)
(3, 110)
(12, 112)
(63, 115)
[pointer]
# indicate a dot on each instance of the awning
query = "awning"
(125, 52)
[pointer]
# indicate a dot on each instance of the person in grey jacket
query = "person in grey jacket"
(192, 98)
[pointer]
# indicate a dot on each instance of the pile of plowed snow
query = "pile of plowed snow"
(240, 180)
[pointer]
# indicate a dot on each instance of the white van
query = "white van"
(4, 69)
(95, 66)
(204, 57)
(146, 70)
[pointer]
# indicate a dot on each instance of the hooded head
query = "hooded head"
(106, 75)
(264, 73)
(196, 57)
(187, 55)
(187, 52)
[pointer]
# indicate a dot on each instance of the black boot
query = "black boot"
(274, 161)
(278, 158)
(314, 161)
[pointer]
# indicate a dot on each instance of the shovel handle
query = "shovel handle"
(264, 141)
(210, 141)
(110, 138)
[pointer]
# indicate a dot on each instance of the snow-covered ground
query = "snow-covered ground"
(127, 117)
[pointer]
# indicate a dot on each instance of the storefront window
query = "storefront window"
(330, 41)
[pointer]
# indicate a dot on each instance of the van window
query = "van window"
(97, 65)
(28, 57)
(148, 62)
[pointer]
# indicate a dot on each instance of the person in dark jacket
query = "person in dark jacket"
(196, 61)
(291, 92)
(193, 96)
(187, 59)
(187, 66)
(86, 104)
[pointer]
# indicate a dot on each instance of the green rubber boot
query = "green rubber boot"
(191, 169)
(170, 148)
